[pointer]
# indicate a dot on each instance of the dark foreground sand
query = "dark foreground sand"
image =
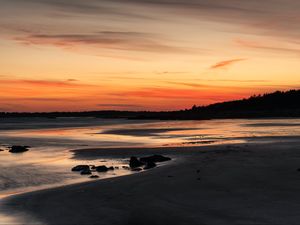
(238, 184)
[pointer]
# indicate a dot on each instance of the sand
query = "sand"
(224, 184)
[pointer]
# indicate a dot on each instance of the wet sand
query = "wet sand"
(225, 184)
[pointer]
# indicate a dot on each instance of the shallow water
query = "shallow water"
(49, 160)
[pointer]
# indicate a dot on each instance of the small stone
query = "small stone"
(79, 168)
(101, 169)
(94, 176)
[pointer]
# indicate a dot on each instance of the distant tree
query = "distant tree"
(194, 108)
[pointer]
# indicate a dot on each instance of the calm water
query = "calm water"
(49, 160)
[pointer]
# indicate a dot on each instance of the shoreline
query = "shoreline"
(236, 184)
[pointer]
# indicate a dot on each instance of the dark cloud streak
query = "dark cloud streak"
(130, 41)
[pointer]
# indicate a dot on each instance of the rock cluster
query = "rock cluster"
(148, 162)
(89, 169)
(135, 164)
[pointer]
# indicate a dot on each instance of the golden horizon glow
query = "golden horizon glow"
(75, 55)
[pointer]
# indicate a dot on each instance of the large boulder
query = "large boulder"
(155, 159)
(79, 168)
(18, 149)
(134, 162)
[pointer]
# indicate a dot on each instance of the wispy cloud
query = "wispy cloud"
(194, 85)
(129, 41)
(41, 83)
(91, 7)
(267, 47)
(234, 80)
(175, 93)
(226, 63)
(33, 90)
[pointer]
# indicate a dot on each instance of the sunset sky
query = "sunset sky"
(74, 55)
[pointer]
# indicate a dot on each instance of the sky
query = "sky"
(77, 55)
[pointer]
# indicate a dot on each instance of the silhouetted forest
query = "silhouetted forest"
(277, 104)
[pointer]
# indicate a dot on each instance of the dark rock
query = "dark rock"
(116, 167)
(86, 172)
(134, 162)
(1, 150)
(101, 169)
(111, 168)
(94, 176)
(149, 165)
(155, 159)
(18, 149)
(93, 167)
(126, 167)
(80, 168)
(137, 169)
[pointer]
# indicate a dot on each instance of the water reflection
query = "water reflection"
(49, 160)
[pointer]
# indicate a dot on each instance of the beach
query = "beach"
(239, 184)
(252, 182)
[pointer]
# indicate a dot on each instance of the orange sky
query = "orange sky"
(74, 55)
